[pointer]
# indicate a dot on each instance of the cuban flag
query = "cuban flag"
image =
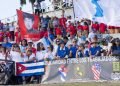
(62, 70)
(30, 69)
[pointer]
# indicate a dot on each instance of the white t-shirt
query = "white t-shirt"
(91, 35)
(26, 58)
(16, 56)
(49, 55)
(40, 55)
(80, 40)
(12, 28)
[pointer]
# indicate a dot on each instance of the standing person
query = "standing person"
(6, 27)
(62, 22)
(86, 28)
(95, 25)
(7, 33)
(17, 36)
(1, 35)
(71, 29)
(6, 43)
(23, 46)
(102, 28)
(12, 29)
(58, 32)
(1, 25)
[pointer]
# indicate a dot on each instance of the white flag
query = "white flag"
(106, 11)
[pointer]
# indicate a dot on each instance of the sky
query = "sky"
(8, 9)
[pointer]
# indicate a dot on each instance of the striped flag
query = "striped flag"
(96, 69)
(30, 69)
(63, 72)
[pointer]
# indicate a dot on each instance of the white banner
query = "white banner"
(106, 11)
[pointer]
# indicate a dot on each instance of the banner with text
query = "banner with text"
(83, 69)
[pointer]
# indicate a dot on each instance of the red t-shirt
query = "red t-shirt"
(62, 22)
(95, 26)
(58, 31)
(1, 36)
(18, 38)
(7, 34)
(71, 29)
(86, 28)
(34, 50)
(80, 27)
(102, 27)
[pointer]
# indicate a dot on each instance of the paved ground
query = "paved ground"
(83, 84)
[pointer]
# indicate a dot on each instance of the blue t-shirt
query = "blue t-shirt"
(62, 52)
(94, 50)
(86, 52)
(7, 45)
(80, 54)
(73, 49)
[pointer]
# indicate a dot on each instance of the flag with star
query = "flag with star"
(30, 69)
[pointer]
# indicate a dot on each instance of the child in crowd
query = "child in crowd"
(80, 52)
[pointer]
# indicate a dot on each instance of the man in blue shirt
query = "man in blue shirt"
(6, 44)
(73, 49)
(62, 51)
(95, 50)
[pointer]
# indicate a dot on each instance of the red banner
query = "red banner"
(28, 24)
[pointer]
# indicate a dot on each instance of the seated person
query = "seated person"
(80, 51)
(62, 51)
(73, 49)
(95, 50)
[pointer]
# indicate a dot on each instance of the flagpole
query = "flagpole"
(73, 10)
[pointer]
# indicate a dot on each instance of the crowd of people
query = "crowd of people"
(61, 38)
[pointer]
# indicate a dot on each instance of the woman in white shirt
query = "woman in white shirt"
(40, 54)
(3, 54)
(49, 55)
(30, 56)
(15, 54)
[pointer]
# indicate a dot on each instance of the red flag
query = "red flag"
(28, 24)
